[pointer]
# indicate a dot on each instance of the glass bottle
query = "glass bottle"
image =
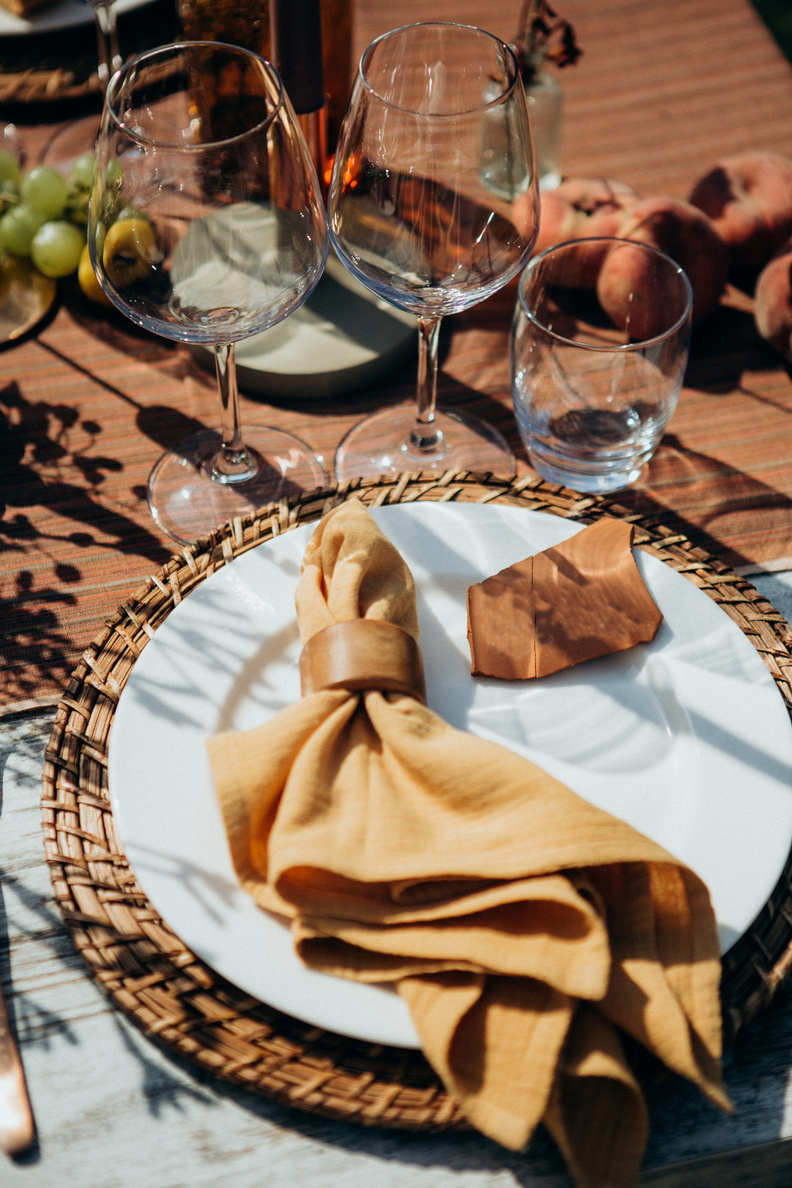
(247, 23)
(238, 22)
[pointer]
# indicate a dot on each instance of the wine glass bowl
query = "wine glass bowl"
(433, 205)
(206, 227)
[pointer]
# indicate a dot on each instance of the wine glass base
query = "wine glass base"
(380, 445)
(187, 504)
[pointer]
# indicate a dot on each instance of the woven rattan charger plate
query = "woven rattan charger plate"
(182, 1003)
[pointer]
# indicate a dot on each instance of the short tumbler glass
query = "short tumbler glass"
(599, 348)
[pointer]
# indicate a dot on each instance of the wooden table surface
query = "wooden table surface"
(87, 403)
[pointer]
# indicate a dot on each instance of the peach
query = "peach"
(582, 208)
(640, 293)
(688, 236)
(588, 207)
(749, 199)
(773, 302)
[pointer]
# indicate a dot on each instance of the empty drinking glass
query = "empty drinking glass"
(598, 353)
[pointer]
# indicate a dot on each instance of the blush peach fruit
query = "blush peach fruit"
(642, 299)
(689, 237)
(749, 199)
(582, 208)
(773, 302)
(588, 207)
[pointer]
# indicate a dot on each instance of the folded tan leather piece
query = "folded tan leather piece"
(578, 600)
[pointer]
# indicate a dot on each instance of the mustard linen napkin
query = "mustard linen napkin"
(523, 926)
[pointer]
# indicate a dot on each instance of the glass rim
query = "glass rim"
(640, 344)
(504, 94)
(174, 49)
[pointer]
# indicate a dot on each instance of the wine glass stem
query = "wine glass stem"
(232, 463)
(107, 41)
(425, 437)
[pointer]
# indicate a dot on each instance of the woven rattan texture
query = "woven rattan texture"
(185, 1005)
(46, 86)
(55, 65)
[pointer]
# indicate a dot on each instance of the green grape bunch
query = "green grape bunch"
(44, 215)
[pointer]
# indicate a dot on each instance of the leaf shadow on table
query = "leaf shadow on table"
(34, 919)
(165, 425)
(34, 455)
(36, 1024)
(162, 424)
(37, 923)
(159, 1087)
(53, 517)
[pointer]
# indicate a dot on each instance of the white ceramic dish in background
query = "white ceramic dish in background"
(66, 14)
(342, 339)
(687, 738)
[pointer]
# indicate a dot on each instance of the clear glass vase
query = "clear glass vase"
(545, 107)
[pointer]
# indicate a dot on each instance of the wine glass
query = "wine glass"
(106, 39)
(206, 226)
(433, 205)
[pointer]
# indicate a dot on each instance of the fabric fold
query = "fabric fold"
(524, 927)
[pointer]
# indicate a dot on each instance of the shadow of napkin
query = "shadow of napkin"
(523, 926)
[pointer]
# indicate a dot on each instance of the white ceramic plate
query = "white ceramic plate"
(342, 339)
(687, 739)
(64, 15)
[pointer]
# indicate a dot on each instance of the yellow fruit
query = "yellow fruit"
(130, 251)
(88, 282)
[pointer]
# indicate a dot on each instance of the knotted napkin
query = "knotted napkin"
(524, 927)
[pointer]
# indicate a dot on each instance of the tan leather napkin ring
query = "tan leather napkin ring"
(363, 654)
